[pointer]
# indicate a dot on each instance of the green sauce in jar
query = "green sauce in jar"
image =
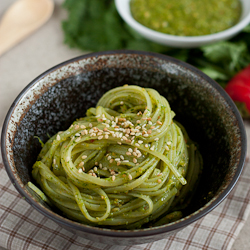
(186, 17)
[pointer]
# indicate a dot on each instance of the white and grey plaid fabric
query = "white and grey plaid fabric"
(22, 227)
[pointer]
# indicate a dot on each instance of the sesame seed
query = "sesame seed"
(93, 135)
(152, 127)
(146, 145)
(134, 160)
(138, 121)
(83, 127)
(90, 125)
(67, 158)
(140, 141)
(156, 139)
(81, 164)
(105, 129)
(84, 156)
(121, 102)
(105, 168)
(117, 159)
(106, 136)
(79, 170)
(130, 177)
(102, 197)
(109, 157)
(111, 160)
(150, 123)
(159, 181)
(77, 139)
(124, 138)
(119, 143)
(149, 131)
(99, 133)
(130, 150)
(167, 148)
(83, 169)
(100, 137)
(76, 126)
(137, 144)
(58, 137)
(159, 122)
(128, 153)
(113, 177)
(54, 161)
(122, 157)
(93, 174)
(125, 161)
(118, 163)
(85, 132)
(134, 154)
(95, 169)
(152, 148)
(77, 134)
(169, 143)
(100, 166)
(145, 135)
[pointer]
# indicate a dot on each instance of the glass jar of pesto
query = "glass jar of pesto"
(186, 17)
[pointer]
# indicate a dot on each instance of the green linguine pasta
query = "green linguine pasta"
(123, 165)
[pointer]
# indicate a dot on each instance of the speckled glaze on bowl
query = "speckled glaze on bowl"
(60, 95)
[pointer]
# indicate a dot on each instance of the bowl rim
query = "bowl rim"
(138, 232)
(128, 18)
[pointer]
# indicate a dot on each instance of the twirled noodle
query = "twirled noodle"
(123, 165)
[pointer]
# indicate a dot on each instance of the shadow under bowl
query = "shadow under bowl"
(53, 100)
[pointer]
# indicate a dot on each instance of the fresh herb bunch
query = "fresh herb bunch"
(96, 26)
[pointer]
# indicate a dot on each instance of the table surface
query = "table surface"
(37, 53)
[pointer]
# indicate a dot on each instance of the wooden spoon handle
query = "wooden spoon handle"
(9, 39)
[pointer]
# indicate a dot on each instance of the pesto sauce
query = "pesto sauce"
(186, 17)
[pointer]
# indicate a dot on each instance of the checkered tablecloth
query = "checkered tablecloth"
(22, 227)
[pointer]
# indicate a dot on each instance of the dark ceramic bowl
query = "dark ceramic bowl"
(60, 95)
